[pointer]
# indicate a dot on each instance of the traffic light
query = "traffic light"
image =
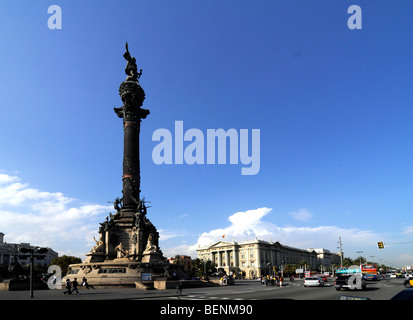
(380, 245)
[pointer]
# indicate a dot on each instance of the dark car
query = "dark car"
(353, 281)
(406, 294)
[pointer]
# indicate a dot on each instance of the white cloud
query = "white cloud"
(62, 223)
(168, 234)
(408, 230)
(182, 249)
(250, 224)
(404, 259)
(46, 218)
(301, 215)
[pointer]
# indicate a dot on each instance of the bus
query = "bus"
(369, 271)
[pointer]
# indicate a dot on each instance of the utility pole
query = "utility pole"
(341, 252)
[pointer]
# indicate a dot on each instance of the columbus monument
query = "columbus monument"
(127, 252)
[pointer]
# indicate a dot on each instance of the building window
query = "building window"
(112, 270)
(73, 271)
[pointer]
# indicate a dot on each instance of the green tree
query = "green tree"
(304, 263)
(347, 262)
(64, 261)
(359, 260)
(179, 260)
(199, 267)
(290, 268)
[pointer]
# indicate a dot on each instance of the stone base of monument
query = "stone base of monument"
(123, 273)
(151, 257)
(22, 285)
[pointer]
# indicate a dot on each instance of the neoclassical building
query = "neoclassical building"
(10, 252)
(255, 258)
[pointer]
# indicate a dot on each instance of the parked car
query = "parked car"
(313, 282)
(353, 281)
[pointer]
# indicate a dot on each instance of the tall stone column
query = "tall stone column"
(219, 259)
(213, 256)
(235, 257)
(227, 259)
(132, 96)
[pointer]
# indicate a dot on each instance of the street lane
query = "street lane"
(253, 290)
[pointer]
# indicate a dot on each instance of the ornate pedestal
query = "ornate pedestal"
(127, 253)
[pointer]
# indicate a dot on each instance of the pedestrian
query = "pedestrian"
(281, 281)
(68, 287)
(75, 285)
(86, 284)
(179, 287)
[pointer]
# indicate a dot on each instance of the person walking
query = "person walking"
(68, 287)
(86, 284)
(75, 284)
(179, 287)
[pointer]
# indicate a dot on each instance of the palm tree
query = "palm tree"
(347, 262)
(359, 260)
(304, 263)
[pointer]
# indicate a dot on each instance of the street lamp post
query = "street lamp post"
(32, 251)
(360, 256)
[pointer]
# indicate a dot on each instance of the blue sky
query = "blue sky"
(333, 106)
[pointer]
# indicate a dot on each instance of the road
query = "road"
(253, 290)
(215, 302)
(242, 290)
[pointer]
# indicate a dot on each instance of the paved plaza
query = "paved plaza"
(91, 294)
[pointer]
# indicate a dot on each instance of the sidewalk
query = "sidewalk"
(112, 294)
(91, 294)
